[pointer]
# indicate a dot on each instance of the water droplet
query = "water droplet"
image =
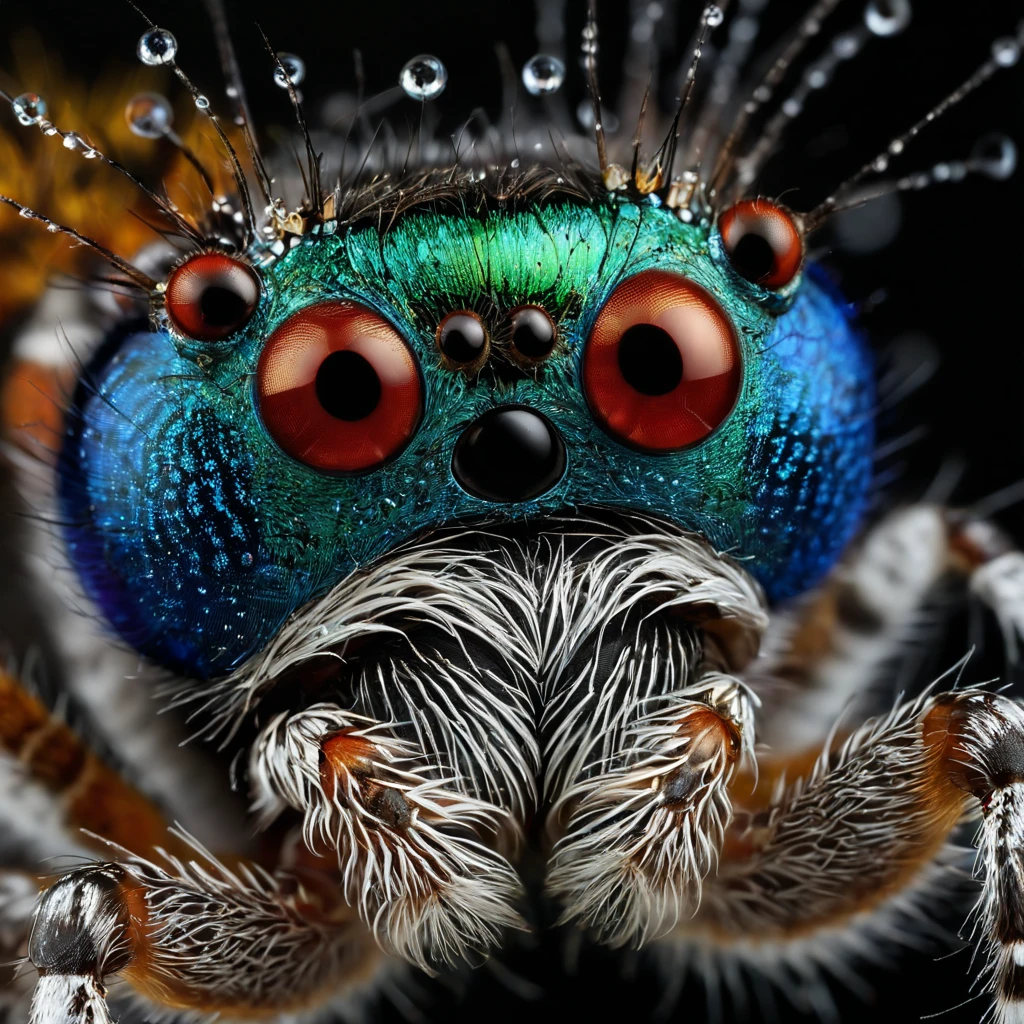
(515, 163)
(53, 228)
(896, 147)
(994, 155)
(713, 15)
(73, 141)
(543, 75)
(202, 102)
(792, 107)
(289, 70)
(880, 164)
(423, 78)
(27, 214)
(157, 46)
(887, 17)
(149, 115)
(29, 108)
(1006, 52)
(817, 78)
(47, 128)
(585, 116)
(846, 46)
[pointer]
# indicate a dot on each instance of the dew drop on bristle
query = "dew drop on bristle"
(543, 75)
(1006, 52)
(73, 141)
(29, 108)
(585, 116)
(157, 46)
(994, 155)
(423, 78)
(713, 16)
(887, 17)
(290, 70)
(203, 102)
(149, 115)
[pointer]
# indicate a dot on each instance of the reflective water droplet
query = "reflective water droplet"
(713, 15)
(792, 107)
(290, 70)
(47, 128)
(994, 155)
(73, 140)
(149, 115)
(515, 163)
(29, 108)
(846, 46)
(53, 228)
(423, 78)
(27, 214)
(585, 116)
(202, 102)
(896, 147)
(543, 75)
(887, 17)
(157, 46)
(817, 78)
(881, 163)
(1006, 52)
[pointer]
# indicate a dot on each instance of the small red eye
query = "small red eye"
(661, 368)
(763, 242)
(339, 389)
(210, 296)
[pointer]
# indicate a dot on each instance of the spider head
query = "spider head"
(286, 420)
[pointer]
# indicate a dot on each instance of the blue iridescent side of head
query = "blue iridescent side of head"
(198, 536)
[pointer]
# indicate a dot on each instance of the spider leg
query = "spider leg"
(87, 794)
(828, 863)
(642, 834)
(195, 936)
(420, 859)
(830, 650)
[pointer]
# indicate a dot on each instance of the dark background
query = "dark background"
(948, 287)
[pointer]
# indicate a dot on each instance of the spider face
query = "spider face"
(289, 423)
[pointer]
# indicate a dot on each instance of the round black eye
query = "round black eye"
(533, 333)
(211, 295)
(462, 338)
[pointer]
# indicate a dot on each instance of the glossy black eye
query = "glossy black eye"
(533, 333)
(462, 339)
(763, 242)
(211, 295)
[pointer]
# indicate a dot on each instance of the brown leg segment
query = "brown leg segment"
(92, 795)
(817, 863)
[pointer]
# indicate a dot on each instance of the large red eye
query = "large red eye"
(763, 242)
(339, 388)
(661, 368)
(211, 296)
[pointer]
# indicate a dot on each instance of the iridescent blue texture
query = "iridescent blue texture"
(198, 536)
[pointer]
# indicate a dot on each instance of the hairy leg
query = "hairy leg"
(809, 869)
(832, 649)
(420, 859)
(194, 936)
(641, 835)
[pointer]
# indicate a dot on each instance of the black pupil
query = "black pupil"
(533, 334)
(753, 257)
(347, 386)
(649, 360)
(463, 338)
(222, 306)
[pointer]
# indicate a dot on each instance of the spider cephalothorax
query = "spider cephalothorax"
(484, 514)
